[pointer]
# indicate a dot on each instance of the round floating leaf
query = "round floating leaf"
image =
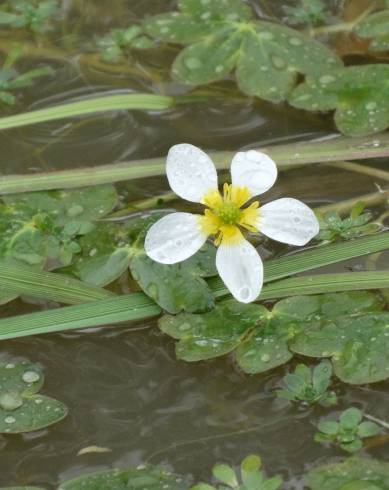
(376, 27)
(213, 334)
(177, 287)
(148, 478)
(23, 378)
(350, 474)
(37, 412)
(359, 94)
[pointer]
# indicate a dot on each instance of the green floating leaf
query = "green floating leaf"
(179, 287)
(359, 94)
(21, 409)
(267, 57)
(36, 412)
(115, 44)
(43, 225)
(30, 15)
(376, 27)
(351, 328)
(208, 335)
(147, 478)
(351, 474)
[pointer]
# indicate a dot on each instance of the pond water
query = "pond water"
(125, 390)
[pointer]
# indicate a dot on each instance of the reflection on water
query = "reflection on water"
(125, 390)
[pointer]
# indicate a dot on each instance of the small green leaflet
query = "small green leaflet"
(350, 328)
(358, 94)
(21, 408)
(25, 14)
(222, 38)
(251, 476)
(308, 385)
(333, 227)
(10, 80)
(349, 432)
(307, 12)
(350, 474)
(115, 45)
(376, 27)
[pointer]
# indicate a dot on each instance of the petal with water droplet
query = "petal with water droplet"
(288, 220)
(190, 171)
(241, 270)
(254, 170)
(174, 238)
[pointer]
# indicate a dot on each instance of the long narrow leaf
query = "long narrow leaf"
(137, 306)
(88, 106)
(17, 279)
(334, 149)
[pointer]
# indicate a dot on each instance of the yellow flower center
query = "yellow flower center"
(225, 216)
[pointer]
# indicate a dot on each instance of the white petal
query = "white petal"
(174, 238)
(254, 170)
(190, 171)
(289, 221)
(241, 270)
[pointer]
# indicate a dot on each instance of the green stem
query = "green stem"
(286, 156)
(361, 169)
(344, 207)
(343, 26)
(378, 421)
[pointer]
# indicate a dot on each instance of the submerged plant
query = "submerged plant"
(10, 80)
(309, 385)
(251, 477)
(119, 41)
(30, 14)
(349, 432)
(333, 227)
(192, 176)
(307, 12)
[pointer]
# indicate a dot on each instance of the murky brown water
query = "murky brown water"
(125, 390)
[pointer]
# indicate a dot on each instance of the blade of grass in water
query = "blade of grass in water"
(18, 280)
(137, 306)
(94, 105)
(294, 154)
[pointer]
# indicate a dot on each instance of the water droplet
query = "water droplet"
(9, 419)
(10, 401)
(193, 63)
(278, 62)
(184, 327)
(265, 358)
(327, 79)
(10, 365)
(371, 106)
(266, 35)
(30, 377)
(244, 293)
(152, 291)
(295, 41)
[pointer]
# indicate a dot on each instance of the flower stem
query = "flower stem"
(361, 169)
(343, 26)
(344, 207)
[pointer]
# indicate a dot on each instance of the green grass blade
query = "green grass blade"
(89, 106)
(138, 306)
(326, 283)
(335, 149)
(312, 259)
(18, 279)
(131, 307)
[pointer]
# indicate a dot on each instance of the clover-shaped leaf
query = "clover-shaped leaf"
(21, 409)
(350, 328)
(308, 385)
(119, 41)
(307, 12)
(333, 227)
(222, 37)
(349, 432)
(351, 474)
(148, 478)
(358, 94)
(376, 27)
(34, 15)
(250, 475)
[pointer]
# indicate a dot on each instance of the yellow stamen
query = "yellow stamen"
(225, 216)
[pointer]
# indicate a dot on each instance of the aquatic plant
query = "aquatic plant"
(349, 432)
(192, 176)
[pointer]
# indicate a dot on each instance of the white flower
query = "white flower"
(192, 176)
